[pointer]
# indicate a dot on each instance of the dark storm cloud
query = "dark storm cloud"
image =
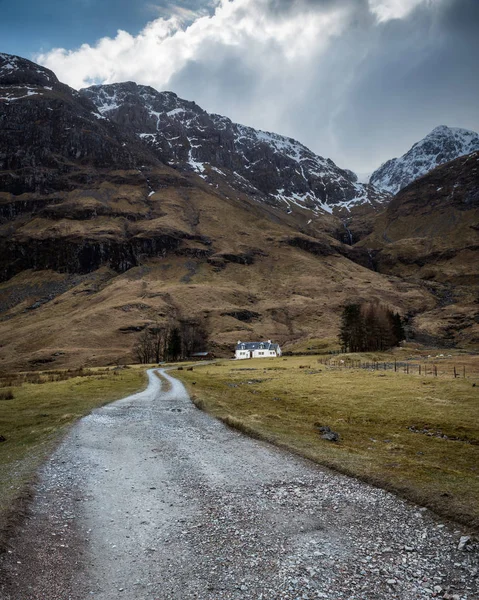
(415, 74)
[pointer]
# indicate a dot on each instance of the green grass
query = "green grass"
(371, 411)
(40, 413)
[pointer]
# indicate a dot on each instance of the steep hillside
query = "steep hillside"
(430, 232)
(277, 170)
(442, 145)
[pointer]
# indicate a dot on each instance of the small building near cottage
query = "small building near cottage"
(257, 350)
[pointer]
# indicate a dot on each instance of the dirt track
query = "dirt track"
(151, 498)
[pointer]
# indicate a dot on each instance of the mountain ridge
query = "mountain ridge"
(440, 146)
(276, 169)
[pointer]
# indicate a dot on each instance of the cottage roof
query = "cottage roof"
(257, 346)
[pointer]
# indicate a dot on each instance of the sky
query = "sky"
(358, 81)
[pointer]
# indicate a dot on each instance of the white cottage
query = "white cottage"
(257, 350)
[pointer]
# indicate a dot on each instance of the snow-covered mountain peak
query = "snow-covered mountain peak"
(272, 167)
(15, 70)
(441, 145)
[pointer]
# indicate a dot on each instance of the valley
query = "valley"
(239, 300)
(122, 207)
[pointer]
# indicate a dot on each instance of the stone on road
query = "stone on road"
(150, 498)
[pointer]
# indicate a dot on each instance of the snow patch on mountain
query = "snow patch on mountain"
(269, 166)
(438, 147)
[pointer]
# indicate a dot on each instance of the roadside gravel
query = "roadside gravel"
(149, 498)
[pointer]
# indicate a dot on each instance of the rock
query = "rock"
(327, 433)
(330, 436)
(464, 543)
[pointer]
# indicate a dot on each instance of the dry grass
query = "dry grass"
(40, 413)
(373, 413)
(165, 383)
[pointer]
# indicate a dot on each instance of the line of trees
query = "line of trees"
(170, 342)
(370, 327)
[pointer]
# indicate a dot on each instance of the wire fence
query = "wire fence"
(409, 368)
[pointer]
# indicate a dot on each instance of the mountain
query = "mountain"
(99, 239)
(51, 135)
(430, 233)
(104, 233)
(272, 168)
(438, 147)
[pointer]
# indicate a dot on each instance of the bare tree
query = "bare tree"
(144, 348)
(193, 337)
(159, 339)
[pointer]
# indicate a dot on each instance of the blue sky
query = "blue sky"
(31, 26)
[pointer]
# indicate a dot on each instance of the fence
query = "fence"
(409, 368)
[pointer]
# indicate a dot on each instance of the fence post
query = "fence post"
(455, 374)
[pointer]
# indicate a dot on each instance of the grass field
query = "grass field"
(415, 435)
(42, 408)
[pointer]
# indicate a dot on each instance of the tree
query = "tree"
(159, 337)
(369, 327)
(171, 341)
(173, 345)
(193, 338)
(351, 330)
(144, 348)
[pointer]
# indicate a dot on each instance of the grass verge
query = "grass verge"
(416, 436)
(37, 414)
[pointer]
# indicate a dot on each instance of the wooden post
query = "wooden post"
(419, 369)
(464, 371)
(455, 374)
(435, 371)
(407, 368)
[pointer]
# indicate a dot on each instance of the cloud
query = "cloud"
(356, 80)
(166, 45)
(386, 10)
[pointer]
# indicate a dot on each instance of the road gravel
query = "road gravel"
(150, 498)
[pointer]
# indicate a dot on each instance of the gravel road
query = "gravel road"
(149, 498)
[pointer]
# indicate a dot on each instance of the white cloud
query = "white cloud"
(386, 10)
(164, 46)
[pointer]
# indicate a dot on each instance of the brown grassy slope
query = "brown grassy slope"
(292, 294)
(430, 229)
(430, 232)
(230, 254)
